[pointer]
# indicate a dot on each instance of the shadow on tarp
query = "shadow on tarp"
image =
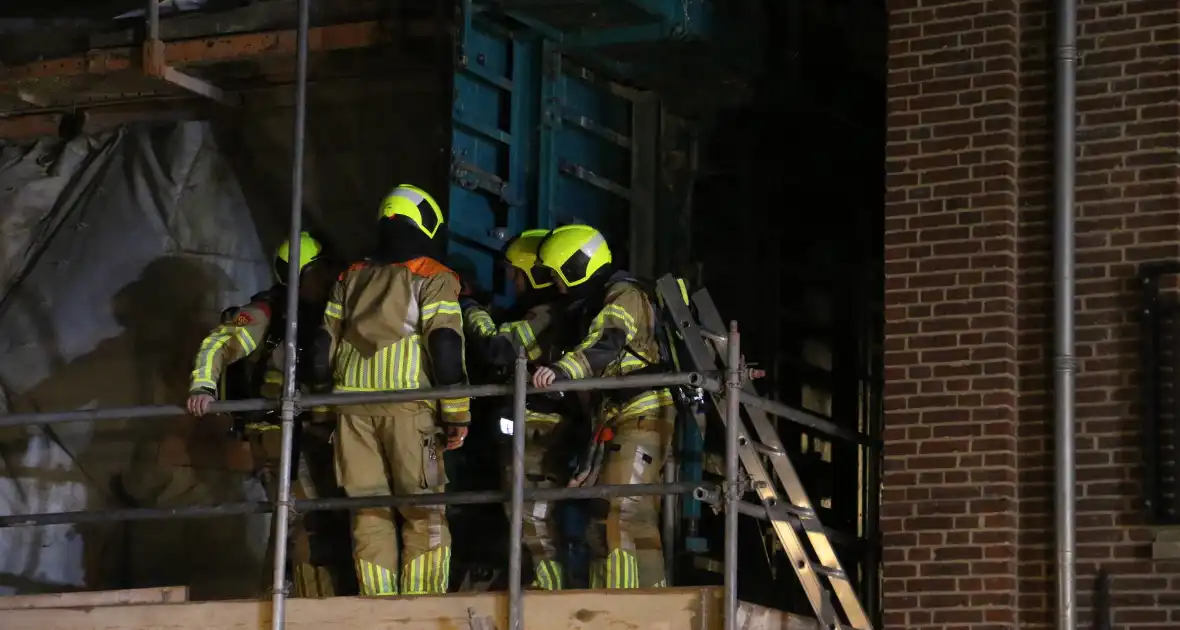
(126, 249)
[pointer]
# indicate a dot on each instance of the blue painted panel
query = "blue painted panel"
(494, 115)
(585, 149)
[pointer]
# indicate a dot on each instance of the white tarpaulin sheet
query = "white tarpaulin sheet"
(117, 254)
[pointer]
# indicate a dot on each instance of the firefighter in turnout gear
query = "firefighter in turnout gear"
(243, 358)
(546, 456)
(633, 428)
(394, 323)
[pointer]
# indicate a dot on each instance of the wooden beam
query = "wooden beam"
(218, 49)
(282, 43)
(252, 18)
(28, 127)
(165, 595)
(662, 609)
(327, 91)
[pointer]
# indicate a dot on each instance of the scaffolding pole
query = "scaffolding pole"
(516, 524)
(733, 493)
(287, 412)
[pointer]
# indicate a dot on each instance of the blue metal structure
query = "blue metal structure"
(546, 131)
(492, 195)
(586, 149)
(538, 140)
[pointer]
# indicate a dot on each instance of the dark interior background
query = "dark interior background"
(786, 230)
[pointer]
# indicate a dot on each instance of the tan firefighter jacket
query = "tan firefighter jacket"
(242, 331)
(381, 316)
(621, 339)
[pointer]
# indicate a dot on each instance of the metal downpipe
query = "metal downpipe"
(1064, 363)
(283, 504)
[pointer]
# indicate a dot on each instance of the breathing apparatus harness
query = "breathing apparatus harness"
(244, 379)
(684, 397)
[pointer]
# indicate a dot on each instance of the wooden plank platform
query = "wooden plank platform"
(664, 609)
(166, 595)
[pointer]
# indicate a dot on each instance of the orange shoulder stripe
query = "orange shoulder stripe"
(426, 267)
(356, 266)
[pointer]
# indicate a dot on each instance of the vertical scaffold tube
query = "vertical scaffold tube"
(516, 532)
(733, 419)
(283, 504)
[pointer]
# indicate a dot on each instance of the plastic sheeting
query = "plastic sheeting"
(117, 254)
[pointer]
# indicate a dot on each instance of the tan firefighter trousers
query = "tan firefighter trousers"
(546, 465)
(625, 541)
(398, 454)
(318, 549)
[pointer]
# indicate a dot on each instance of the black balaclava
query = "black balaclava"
(593, 290)
(399, 239)
(533, 297)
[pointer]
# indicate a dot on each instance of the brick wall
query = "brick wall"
(968, 490)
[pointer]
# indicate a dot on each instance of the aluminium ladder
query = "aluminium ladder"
(794, 519)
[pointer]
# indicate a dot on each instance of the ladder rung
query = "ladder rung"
(761, 448)
(771, 513)
(787, 508)
(712, 336)
(831, 574)
(802, 513)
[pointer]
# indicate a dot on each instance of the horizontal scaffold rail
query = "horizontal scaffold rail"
(691, 379)
(352, 503)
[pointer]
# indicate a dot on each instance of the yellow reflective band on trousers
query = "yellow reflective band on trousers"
(619, 570)
(375, 580)
(428, 574)
(536, 416)
(396, 366)
(548, 576)
(202, 375)
(643, 403)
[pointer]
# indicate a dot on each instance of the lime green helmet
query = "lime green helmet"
(521, 252)
(416, 205)
(309, 252)
(574, 253)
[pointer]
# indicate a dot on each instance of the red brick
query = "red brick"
(968, 408)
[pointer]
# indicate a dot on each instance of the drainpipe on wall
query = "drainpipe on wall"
(1065, 366)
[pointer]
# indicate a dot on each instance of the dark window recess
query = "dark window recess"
(788, 218)
(1159, 285)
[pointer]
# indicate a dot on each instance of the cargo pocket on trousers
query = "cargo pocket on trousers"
(431, 466)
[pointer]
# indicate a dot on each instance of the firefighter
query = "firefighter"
(243, 358)
(633, 428)
(546, 456)
(394, 323)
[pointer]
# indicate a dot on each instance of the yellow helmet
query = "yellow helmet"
(521, 252)
(574, 253)
(414, 204)
(309, 252)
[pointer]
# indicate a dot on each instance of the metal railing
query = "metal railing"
(517, 495)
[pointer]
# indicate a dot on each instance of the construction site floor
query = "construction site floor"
(143, 609)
